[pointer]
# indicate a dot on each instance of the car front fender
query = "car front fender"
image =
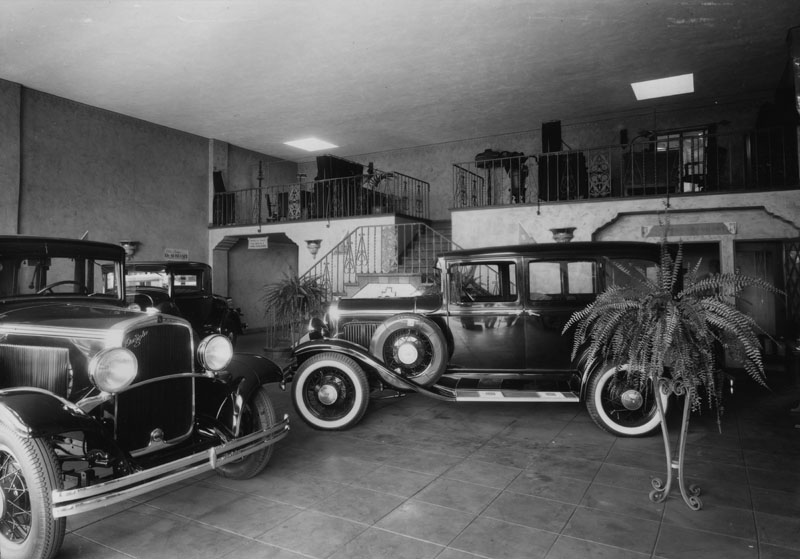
(33, 412)
(248, 371)
(307, 349)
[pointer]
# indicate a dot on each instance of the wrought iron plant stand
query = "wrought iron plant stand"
(661, 490)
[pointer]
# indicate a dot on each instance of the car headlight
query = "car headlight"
(113, 370)
(215, 352)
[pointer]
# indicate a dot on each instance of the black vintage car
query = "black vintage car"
(100, 403)
(184, 289)
(492, 332)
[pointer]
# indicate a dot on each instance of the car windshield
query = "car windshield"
(54, 275)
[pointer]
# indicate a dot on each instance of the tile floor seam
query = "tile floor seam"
(101, 544)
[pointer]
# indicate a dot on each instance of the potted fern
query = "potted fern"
(670, 332)
(289, 303)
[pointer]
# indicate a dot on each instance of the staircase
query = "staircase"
(384, 261)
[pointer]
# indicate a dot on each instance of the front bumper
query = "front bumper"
(67, 502)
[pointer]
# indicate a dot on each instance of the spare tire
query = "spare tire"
(413, 346)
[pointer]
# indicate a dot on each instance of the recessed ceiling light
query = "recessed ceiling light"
(663, 87)
(311, 144)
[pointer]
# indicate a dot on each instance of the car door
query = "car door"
(554, 289)
(484, 309)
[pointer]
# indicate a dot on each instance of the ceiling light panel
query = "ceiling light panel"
(311, 144)
(664, 87)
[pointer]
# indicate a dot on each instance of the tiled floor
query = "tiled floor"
(418, 478)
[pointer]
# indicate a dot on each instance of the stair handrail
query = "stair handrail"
(372, 249)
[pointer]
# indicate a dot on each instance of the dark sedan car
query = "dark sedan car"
(184, 289)
(491, 333)
(100, 403)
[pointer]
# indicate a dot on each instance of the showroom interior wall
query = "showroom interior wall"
(69, 169)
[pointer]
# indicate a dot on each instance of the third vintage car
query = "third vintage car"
(184, 289)
(490, 332)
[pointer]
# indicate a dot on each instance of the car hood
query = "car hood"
(423, 304)
(80, 316)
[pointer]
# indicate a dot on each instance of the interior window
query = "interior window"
(483, 282)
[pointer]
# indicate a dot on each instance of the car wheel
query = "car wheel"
(330, 391)
(412, 346)
(28, 475)
(620, 407)
(258, 414)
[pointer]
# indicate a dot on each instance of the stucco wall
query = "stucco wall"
(89, 170)
(251, 270)
(519, 224)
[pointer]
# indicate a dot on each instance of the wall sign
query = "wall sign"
(257, 243)
(176, 254)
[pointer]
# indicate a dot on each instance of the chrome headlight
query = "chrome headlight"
(215, 352)
(113, 370)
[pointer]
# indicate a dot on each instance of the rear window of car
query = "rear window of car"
(555, 280)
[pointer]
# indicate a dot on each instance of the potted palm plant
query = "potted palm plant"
(669, 332)
(289, 303)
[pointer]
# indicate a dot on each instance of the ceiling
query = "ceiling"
(373, 75)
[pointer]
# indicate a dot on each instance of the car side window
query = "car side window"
(629, 272)
(489, 282)
(561, 280)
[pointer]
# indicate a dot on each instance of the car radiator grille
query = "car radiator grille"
(162, 349)
(159, 410)
(39, 367)
(359, 332)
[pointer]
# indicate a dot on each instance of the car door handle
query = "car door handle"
(527, 312)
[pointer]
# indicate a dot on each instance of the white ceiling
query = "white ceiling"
(376, 75)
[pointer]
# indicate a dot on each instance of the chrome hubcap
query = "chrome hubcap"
(632, 399)
(2, 502)
(327, 394)
(407, 354)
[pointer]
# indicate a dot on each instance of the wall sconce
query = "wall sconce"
(313, 247)
(130, 247)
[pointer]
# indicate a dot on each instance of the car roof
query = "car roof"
(24, 244)
(165, 265)
(607, 248)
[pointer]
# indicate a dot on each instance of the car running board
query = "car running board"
(515, 396)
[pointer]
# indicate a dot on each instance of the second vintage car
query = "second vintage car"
(184, 289)
(492, 332)
(100, 403)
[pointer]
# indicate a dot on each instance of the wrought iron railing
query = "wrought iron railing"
(361, 195)
(656, 165)
(407, 249)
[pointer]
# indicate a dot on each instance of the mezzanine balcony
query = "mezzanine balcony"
(356, 196)
(652, 165)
